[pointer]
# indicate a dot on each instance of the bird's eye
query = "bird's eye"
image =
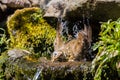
(55, 53)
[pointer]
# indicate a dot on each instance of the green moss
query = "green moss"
(18, 72)
(28, 30)
(3, 58)
(104, 65)
(3, 47)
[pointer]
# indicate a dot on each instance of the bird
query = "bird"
(73, 50)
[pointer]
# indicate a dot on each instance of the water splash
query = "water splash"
(77, 27)
(37, 74)
(73, 27)
(26, 77)
(64, 27)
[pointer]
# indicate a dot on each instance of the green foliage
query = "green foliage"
(105, 63)
(3, 46)
(3, 40)
(28, 30)
(3, 58)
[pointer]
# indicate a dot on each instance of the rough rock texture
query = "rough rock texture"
(67, 8)
(16, 3)
(95, 9)
(17, 53)
(24, 3)
(56, 8)
(43, 69)
(66, 70)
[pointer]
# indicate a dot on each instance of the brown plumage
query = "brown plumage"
(58, 42)
(74, 50)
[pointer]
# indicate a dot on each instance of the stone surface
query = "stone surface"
(56, 8)
(90, 8)
(68, 8)
(24, 3)
(17, 53)
(16, 3)
(44, 69)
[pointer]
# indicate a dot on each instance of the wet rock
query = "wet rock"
(47, 70)
(66, 71)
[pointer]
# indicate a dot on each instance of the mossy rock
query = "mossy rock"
(28, 30)
(44, 69)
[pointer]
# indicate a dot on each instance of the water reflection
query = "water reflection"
(37, 74)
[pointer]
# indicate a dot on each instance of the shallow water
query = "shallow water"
(37, 74)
